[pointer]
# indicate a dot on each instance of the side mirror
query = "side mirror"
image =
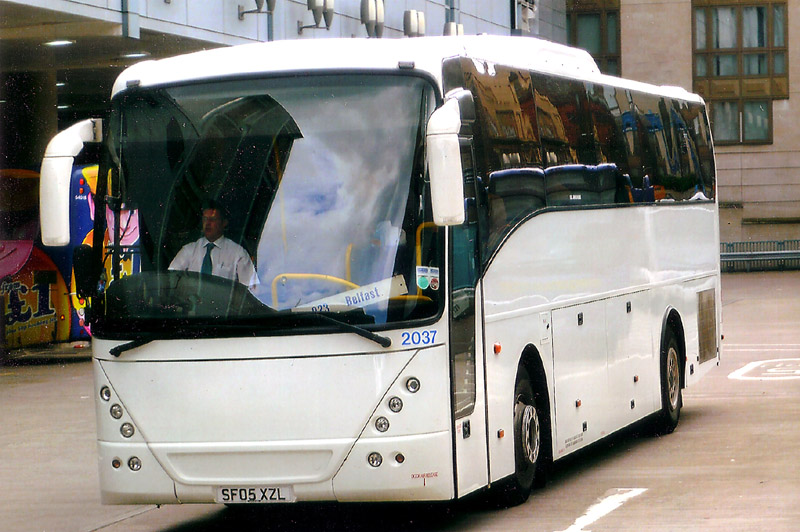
(84, 267)
(55, 178)
(444, 161)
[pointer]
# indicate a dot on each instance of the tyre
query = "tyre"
(671, 396)
(528, 444)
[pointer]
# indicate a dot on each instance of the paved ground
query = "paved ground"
(730, 466)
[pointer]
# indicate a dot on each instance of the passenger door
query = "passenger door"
(467, 360)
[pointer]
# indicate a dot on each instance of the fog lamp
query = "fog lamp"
(105, 393)
(375, 459)
(134, 463)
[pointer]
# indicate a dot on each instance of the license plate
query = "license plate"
(256, 495)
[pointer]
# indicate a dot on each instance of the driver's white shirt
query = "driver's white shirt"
(228, 259)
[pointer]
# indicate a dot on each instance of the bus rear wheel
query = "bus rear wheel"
(671, 396)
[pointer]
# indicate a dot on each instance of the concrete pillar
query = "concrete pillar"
(28, 117)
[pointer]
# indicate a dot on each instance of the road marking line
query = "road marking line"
(782, 369)
(604, 507)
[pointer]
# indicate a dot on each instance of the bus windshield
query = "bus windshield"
(319, 185)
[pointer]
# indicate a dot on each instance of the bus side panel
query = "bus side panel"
(554, 261)
(687, 248)
(631, 355)
(651, 256)
(580, 370)
(682, 240)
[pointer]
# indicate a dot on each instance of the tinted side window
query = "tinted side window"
(649, 142)
(507, 135)
(700, 133)
(663, 137)
(693, 152)
(670, 181)
(607, 120)
(565, 121)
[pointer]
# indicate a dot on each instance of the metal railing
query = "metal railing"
(761, 255)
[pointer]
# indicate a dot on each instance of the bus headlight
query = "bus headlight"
(395, 404)
(116, 411)
(105, 393)
(412, 384)
(126, 430)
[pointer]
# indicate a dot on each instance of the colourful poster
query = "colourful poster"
(36, 305)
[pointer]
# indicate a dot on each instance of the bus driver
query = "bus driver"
(214, 254)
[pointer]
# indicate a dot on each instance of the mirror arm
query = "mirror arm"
(55, 177)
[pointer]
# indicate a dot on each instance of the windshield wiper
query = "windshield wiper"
(383, 341)
(133, 344)
(146, 338)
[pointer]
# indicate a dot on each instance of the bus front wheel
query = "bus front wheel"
(527, 444)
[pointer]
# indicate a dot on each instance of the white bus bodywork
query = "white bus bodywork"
(586, 292)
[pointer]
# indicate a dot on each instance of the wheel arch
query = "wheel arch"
(531, 360)
(672, 320)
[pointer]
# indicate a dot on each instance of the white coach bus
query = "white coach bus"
(473, 255)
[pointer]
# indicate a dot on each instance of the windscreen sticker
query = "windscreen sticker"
(359, 297)
(427, 277)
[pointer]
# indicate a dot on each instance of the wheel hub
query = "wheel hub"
(531, 437)
(673, 378)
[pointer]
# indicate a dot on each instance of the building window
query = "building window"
(742, 121)
(594, 26)
(740, 65)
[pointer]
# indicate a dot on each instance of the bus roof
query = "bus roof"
(424, 54)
